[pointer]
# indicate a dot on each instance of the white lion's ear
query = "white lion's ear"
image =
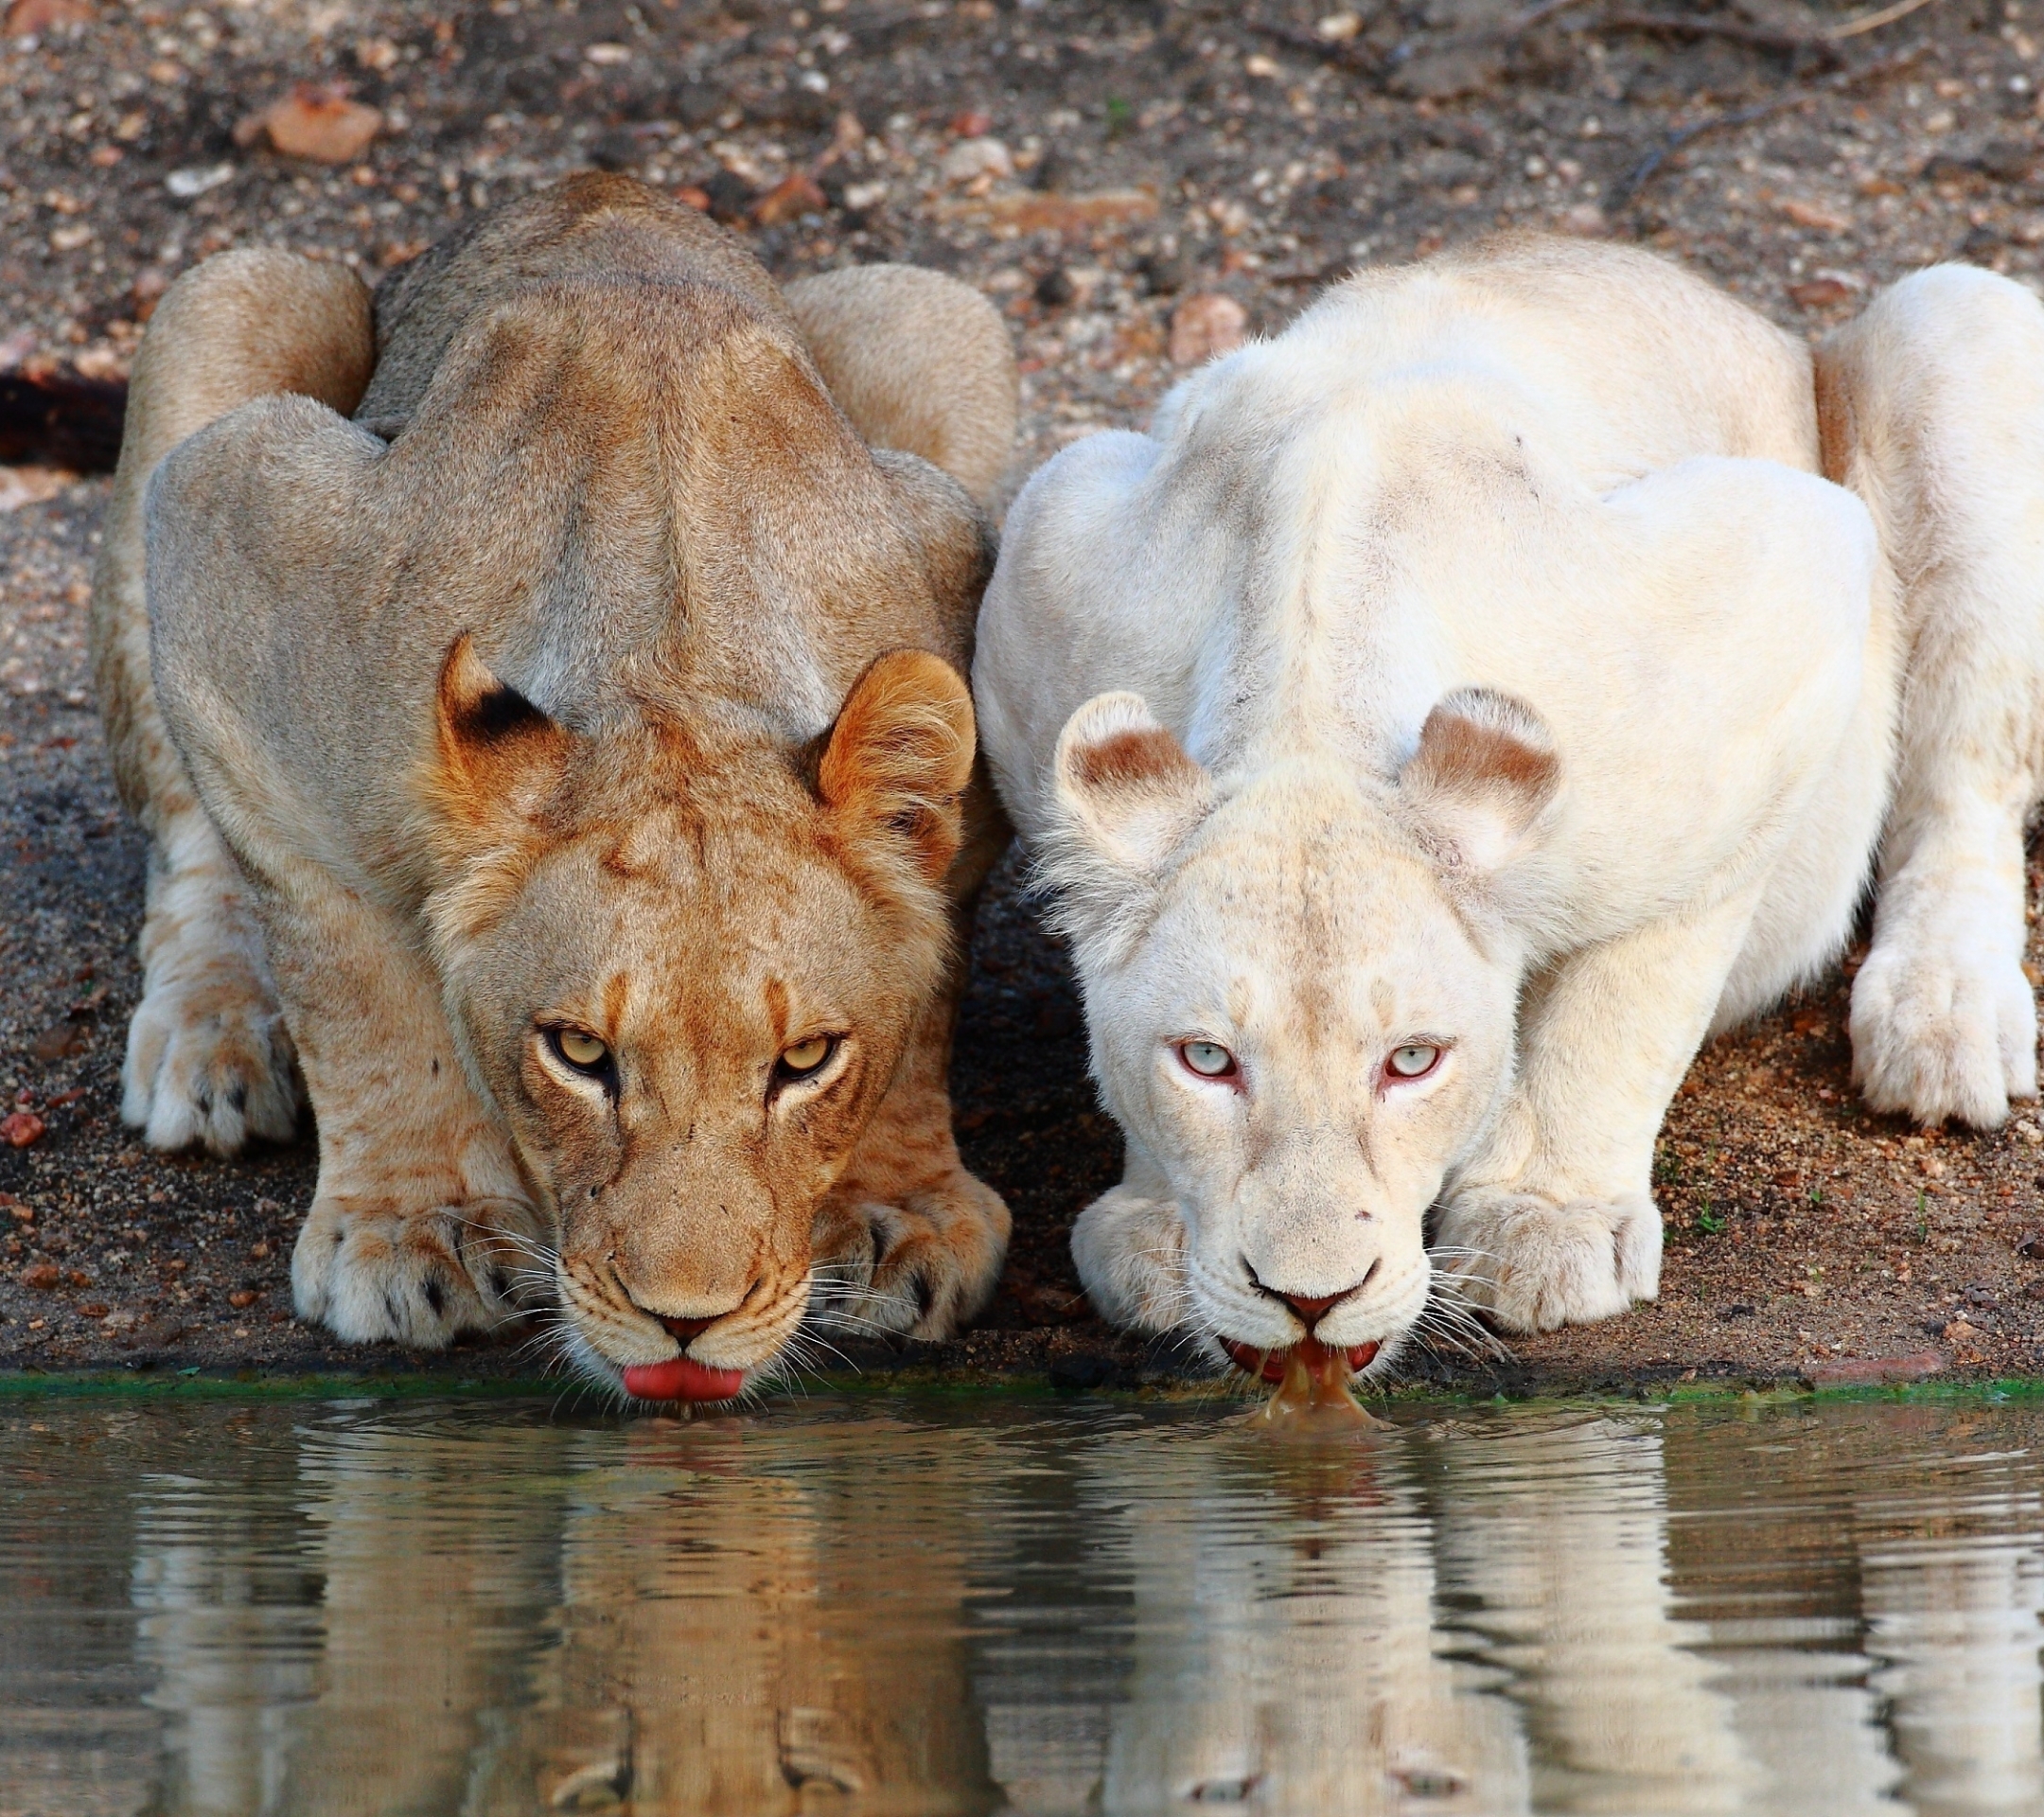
(1126, 797)
(1482, 781)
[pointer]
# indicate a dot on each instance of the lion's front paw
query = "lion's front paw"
(373, 1272)
(210, 1061)
(1944, 1028)
(1534, 1263)
(920, 1268)
(1130, 1252)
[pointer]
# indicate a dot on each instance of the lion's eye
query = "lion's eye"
(1209, 1059)
(1413, 1062)
(806, 1057)
(581, 1050)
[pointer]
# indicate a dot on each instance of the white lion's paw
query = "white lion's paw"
(1130, 1253)
(1943, 1029)
(1533, 1264)
(373, 1273)
(209, 1060)
(918, 1269)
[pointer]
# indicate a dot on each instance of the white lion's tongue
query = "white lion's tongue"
(1315, 1392)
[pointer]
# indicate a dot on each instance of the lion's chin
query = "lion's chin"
(681, 1378)
(1271, 1366)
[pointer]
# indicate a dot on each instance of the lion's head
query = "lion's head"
(683, 969)
(1302, 999)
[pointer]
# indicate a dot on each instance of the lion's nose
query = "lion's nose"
(1313, 1308)
(1309, 1309)
(686, 1328)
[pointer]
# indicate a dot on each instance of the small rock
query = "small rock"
(1444, 75)
(972, 158)
(728, 197)
(972, 124)
(21, 485)
(242, 1298)
(2008, 160)
(316, 121)
(94, 1308)
(1205, 327)
(196, 181)
(1338, 27)
(42, 1276)
(1586, 220)
(1055, 288)
(1873, 1372)
(60, 1043)
(17, 1129)
(1163, 273)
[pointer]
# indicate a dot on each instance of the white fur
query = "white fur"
(1566, 501)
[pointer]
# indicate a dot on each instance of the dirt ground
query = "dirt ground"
(1104, 172)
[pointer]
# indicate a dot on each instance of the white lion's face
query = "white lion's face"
(1304, 1044)
(1300, 1014)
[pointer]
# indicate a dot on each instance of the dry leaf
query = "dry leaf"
(793, 195)
(1808, 214)
(28, 17)
(1033, 212)
(1819, 293)
(316, 121)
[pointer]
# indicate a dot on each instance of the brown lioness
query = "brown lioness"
(583, 722)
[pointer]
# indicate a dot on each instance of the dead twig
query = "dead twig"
(1690, 24)
(1628, 186)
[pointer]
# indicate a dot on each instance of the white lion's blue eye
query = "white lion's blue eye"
(1414, 1062)
(1209, 1059)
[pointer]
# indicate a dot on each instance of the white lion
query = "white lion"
(1459, 708)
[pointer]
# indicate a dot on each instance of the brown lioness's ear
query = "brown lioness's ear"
(900, 755)
(496, 756)
(1485, 773)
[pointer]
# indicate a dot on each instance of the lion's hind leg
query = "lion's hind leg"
(1934, 412)
(209, 1060)
(919, 362)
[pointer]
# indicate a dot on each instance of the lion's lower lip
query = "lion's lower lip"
(1269, 1364)
(681, 1378)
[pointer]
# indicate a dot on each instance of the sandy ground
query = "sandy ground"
(1104, 173)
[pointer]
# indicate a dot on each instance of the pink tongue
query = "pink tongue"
(681, 1378)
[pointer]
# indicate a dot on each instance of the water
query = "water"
(886, 1604)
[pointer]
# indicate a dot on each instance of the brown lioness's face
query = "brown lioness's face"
(685, 980)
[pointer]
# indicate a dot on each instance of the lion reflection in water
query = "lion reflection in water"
(868, 1616)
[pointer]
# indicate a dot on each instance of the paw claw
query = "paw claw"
(374, 1274)
(918, 1269)
(1535, 1264)
(1943, 1031)
(1129, 1253)
(210, 1063)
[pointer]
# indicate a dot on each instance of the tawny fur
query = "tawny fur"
(604, 673)
(1519, 657)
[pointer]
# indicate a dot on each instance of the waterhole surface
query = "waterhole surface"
(884, 1603)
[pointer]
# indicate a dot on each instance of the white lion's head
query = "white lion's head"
(1302, 990)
